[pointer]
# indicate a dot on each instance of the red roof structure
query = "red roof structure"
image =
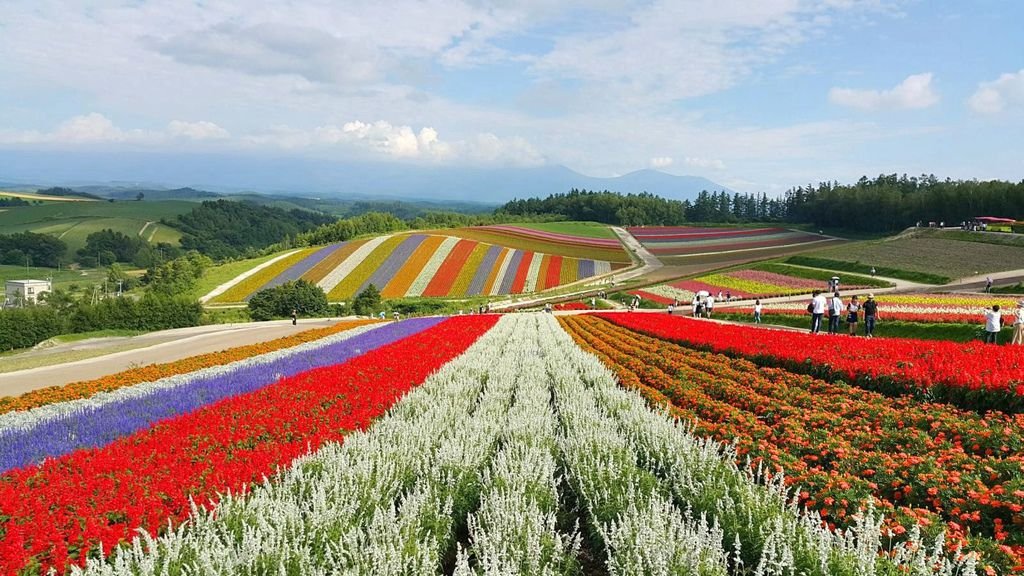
(994, 220)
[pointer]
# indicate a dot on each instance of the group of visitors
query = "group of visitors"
(832, 308)
(994, 323)
(703, 305)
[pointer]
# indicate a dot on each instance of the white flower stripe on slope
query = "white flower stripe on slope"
(334, 277)
(254, 270)
(602, 267)
(502, 270)
(431, 267)
(36, 416)
(533, 272)
(670, 292)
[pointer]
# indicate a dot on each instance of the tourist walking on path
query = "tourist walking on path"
(988, 283)
(757, 311)
(870, 315)
(993, 323)
(852, 310)
(709, 305)
(817, 310)
(835, 311)
(295, 317)
(1018, 325)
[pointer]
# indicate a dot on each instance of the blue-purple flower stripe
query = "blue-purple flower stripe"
(483, 271)
(295, 271)
(101, 425)
(510, 274)
(393, 263)
(586, 269)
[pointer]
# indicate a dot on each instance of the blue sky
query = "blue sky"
(757, 95)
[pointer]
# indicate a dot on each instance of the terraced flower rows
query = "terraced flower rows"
(533, 240)
(687, 241)
(738, 284)
(925, 465)
(513, 451)
(409, 265)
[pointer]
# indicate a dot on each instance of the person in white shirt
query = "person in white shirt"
(835, 311)
(817, 309)
(757, 311)
(993, 323)
(696, 306)
(1018, 325)
(851, 314)
(709, 305)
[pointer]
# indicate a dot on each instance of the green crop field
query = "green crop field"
(929, 255)
(218, 275)
(585, 229)
(72, 222)
(62, 279)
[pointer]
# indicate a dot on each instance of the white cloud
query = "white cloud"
(996, 96)
(92, 128)
(660, 162)
(915, 92)
(706, 163)
(202, 130)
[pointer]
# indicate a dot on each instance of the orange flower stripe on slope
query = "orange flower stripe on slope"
(332, 261)
(239, 292)
(400, 284)
(346, 289)
(465, 277)
(445, 277)
(85, 389)
(492, 276)
(542, 274)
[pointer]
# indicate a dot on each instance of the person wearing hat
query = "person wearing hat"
(870, 315)
(1018, 325)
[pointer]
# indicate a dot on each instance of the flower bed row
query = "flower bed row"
(970, 375)
(63, 510)
(923, 464)
(526, 445)
(57, 429)
(85, 389)
(907, 313)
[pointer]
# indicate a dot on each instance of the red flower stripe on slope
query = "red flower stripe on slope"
(524, 268)
(54, 514)
(970, 375)
(554, 272)
(445, 276)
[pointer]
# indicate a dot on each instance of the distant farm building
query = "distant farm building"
(22, 292)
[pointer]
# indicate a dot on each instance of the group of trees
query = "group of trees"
(30, 248)
(607, 207)
(225, 229)
(25, 327)
(304, 298)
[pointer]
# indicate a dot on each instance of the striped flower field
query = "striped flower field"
(687, 241)
(408, 265)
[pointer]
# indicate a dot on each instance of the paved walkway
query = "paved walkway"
(977, 283)
(168, 346)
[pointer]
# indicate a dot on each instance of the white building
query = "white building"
(21, 292)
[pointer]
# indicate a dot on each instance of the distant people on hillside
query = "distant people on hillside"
(1018, 325)
(817, 310)
(988, 284)
(870, 315)
(835, 311)
(872, 270)
(671, 308)
(993, 323)
(757, 311)
(852, 310)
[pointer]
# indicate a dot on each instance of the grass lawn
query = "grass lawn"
(218, 275)
(62, 279)
(585, 229)
(927, 255)
(883, 329)
(1000, 238)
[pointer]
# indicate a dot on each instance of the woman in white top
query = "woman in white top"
(757, 311)
(1018, 325)
(852, 311)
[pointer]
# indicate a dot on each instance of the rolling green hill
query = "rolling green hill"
(73, 221)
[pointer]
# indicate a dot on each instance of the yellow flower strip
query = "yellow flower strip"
(492, 276)
(749, 286)
(469, 268)
(402, 281)
(346, 289)
(239, 292)
(951, 300)
(318, 272)
(570, 271)
(543, 274)
(85, 389)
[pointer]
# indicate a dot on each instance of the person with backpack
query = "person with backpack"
(835, 311)
(817, 310)
(870, 315)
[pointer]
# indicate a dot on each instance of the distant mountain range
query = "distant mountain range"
(124, 174)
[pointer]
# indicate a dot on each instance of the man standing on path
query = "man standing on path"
(295, 316)
(870, 314)
(835, 310)
(988, 284)
(709, 305)
(817, 308)
(993, 324)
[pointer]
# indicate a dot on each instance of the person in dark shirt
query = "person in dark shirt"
(870, 315)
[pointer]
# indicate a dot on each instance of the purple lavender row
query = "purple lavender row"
(586, 269)
(295, 271)
(483, 271)
(100, 425)
(387, 270)
(510, 274)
